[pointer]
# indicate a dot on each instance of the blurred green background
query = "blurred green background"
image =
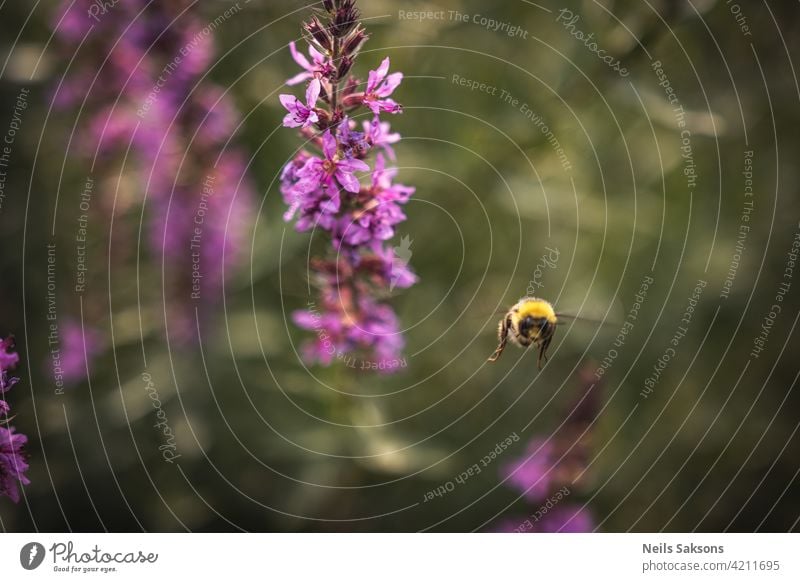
(267, 444)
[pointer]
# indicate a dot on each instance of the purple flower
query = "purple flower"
(8, 360)
(12, 463)
(300, 114)
(397, 272)
(354, 144)
(531, 474)
(373, 327)
(379, 136)
(317, 173)
(73, 357)
(381, 212)
(566, 519)
(379, 87)
(559, 519)
(319, 65)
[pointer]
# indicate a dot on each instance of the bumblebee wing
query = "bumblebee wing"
(586, 319)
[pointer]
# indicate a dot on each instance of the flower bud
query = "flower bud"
(344, 67)
(345, 18)
(352, 44)
(316, 32)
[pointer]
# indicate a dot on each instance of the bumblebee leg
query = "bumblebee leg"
(502, 335)
(543, 351)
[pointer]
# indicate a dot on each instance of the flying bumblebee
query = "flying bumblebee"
(530, 321)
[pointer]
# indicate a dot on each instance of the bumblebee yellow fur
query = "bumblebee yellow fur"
(530, 321)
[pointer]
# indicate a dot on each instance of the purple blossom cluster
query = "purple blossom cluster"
(138, 79)
(13, 463)
(327, 188)
(552, 468)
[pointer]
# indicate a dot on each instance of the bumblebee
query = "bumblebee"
(529, 321)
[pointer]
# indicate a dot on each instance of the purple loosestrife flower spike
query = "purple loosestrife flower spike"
(323, 192)
(302, 114)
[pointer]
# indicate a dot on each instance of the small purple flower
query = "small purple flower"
(397, 272)
(354, 143)
(73, 357)
(330, 335)
(532, 472)
(300, 114)
(8, 359)
(377, 219)
(379, 87)
(319, 173)
(378, 135)
(318, 67)
(12, 463)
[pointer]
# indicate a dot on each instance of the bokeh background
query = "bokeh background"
(268, 443)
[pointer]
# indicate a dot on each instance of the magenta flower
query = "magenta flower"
(379, 87)
(566, 519)
(301, 114)
(354, 144)
(8, 360)
(319, 66)
(378, 135)
(12, 463)
(317, 173)
(377, 219)
(395, 264)
(532, 472)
